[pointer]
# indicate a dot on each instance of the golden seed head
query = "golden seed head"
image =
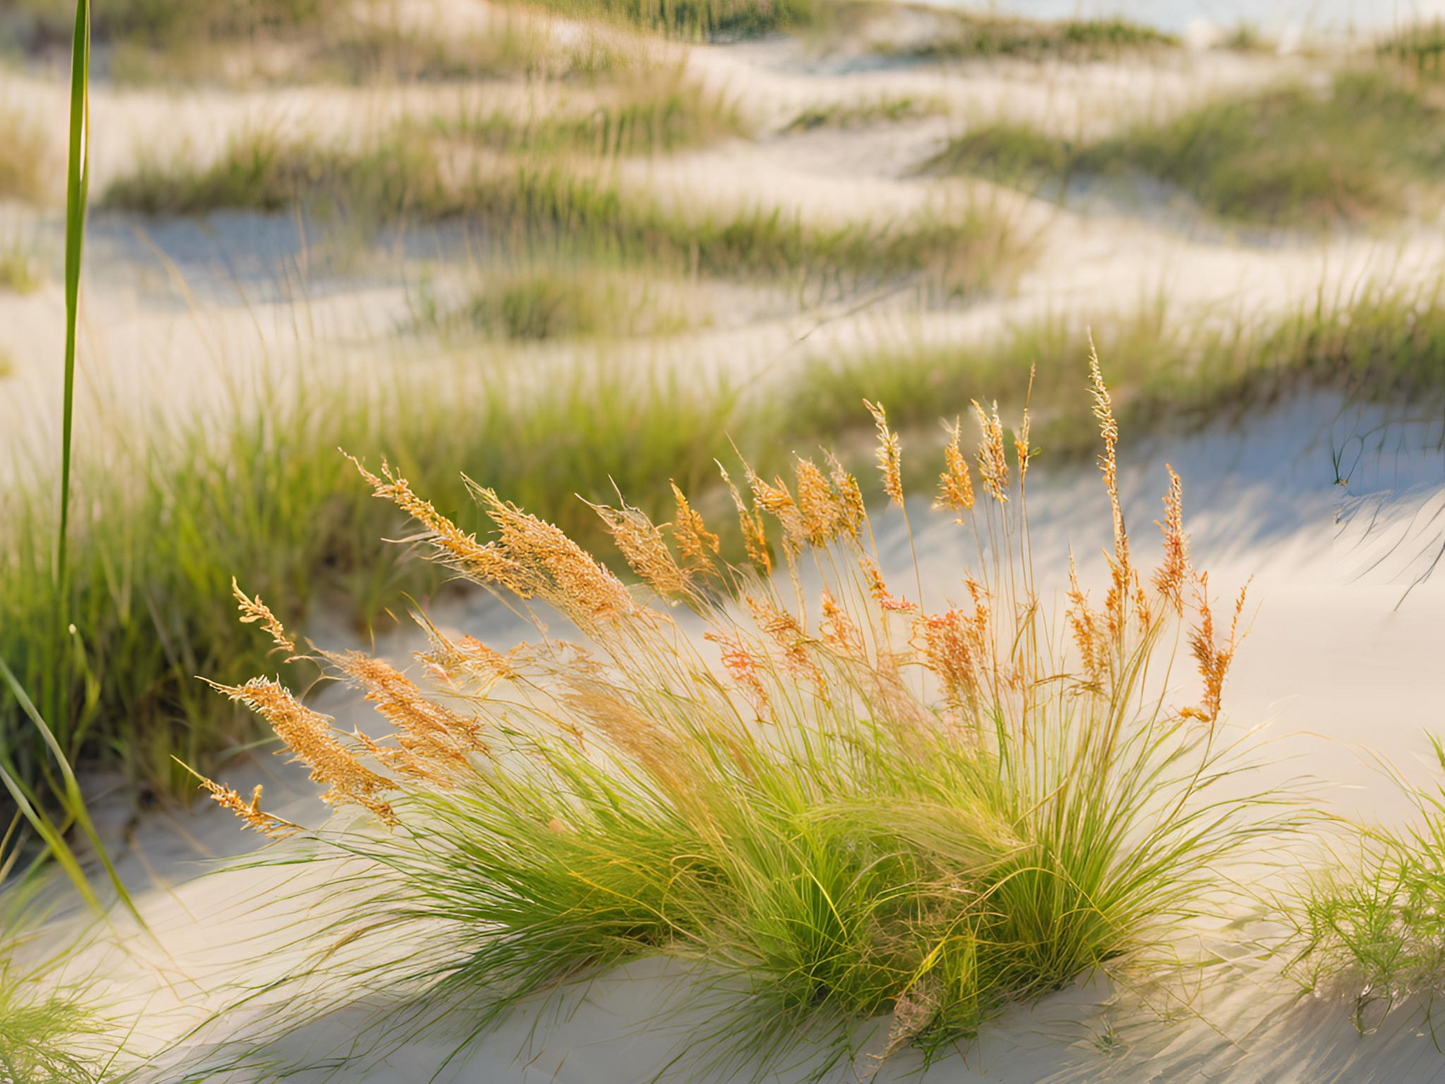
(955, 486)
(889, 454)
(992, 462)
(850, 496)
(694, 541)
(645, 550)
(256, 612)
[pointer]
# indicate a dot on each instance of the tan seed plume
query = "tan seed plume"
(310, 738)
(955, 486)
(694, 541)
(889, 454)
(991, 459)
(256, 612)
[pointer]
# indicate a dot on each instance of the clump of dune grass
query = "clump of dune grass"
(1371, 926)
(696, 18)
(557, 301)
(980, 36)
(160, 23)
(45, 1037)
(1173, 369)
(1289, 156)
(841, 801)
(656, 114)
(159, 525)
(1418, 47)
(546, 205)
(861, 114)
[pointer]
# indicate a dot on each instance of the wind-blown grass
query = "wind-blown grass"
(258, 491)
(161, 526)
(554, 207)
(659, 114)
(851, 804)
(1290, 156)
(1172, 369)
(978, 36)
(1373, 930)
(883, 110)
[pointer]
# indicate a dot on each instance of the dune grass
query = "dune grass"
(1418, 47)
(1173, 370)
(1290, 156)
(695, 18)
(259, 492)
(658, 114)
(155, 541)
(555, 206)
(851, 805)
(884, 110)
(981, 36)
(1371, 928)
(161, 23)
(556, 301)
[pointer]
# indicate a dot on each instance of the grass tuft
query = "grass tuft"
(27, 160)
(1291, 156)
(842, 802)
(978, 37)
(862, 114)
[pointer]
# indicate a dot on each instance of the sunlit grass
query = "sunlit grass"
(851, 805)
(982, 36)
(1290, 156)
(1371, 926)
(884, 110)
(1174, 368)
(565, 208)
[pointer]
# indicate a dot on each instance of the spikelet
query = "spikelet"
(455, 548)
(645, 550)
(1021, 445)
(785, 630)
(743, 667)
(822, 510)
(1173, 570)
(776, 501)
(256, 612)
(552, 566)
(889, 454)
(1213, 660)
(850, 497)
(694, 541)
(465, 662)
(878, 590)
(951, 650)
(755, 539)
(955, 486)
(1108, 460)
(268, 824)
(309, 737)
(1089, 637)
(992, 461)
(428, 730)
(839, 629)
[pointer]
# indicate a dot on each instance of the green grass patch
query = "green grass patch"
(1419, 48)
(862, 114)
(925, 817)
(557, 301)
(558, 208)
(1291, 156)
(979, 37)
(159, 529)
(1371, 929)
(696, 18)
(176, 25)
(1169, 372)
(654, 115)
